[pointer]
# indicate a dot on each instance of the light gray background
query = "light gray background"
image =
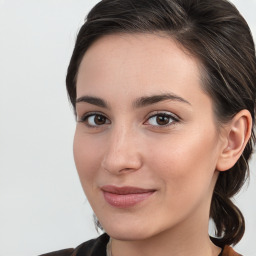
(42, 206)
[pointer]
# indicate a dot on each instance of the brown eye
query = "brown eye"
(162, 120)
(94, 120)
(99, 120)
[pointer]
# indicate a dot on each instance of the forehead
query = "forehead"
(138, 64)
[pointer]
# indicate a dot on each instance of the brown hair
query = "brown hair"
(214, 32)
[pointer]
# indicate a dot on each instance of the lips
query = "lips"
(123, 197)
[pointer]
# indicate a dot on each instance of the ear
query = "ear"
(238, 132)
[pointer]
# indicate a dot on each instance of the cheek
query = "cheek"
(186, 163)
(87, 158)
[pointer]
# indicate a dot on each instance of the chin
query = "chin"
(128, 232)
(128, 235)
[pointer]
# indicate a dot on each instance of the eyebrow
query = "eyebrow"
(138, 103)
(93, 100)
(149, 100)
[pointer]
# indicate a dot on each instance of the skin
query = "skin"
(130, 148)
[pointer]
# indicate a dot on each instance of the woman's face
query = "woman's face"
(146, 145)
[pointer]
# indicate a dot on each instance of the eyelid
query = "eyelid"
(167, 113)
(88, 114)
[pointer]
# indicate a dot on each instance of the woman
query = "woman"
(164, 94)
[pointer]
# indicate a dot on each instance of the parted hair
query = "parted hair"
(216, 34)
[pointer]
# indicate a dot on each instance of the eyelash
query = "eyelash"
(169, 115)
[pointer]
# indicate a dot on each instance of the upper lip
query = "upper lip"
(125, 190)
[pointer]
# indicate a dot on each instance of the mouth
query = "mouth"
(124, 197)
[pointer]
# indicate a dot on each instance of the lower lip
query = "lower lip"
(124, 201)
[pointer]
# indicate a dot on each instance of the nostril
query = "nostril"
(122, 163)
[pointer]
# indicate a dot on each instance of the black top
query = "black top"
(94, 247)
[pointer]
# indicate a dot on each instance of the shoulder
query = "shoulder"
(93, 247)
(229, 251)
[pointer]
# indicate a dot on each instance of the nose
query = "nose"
(122, 152)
